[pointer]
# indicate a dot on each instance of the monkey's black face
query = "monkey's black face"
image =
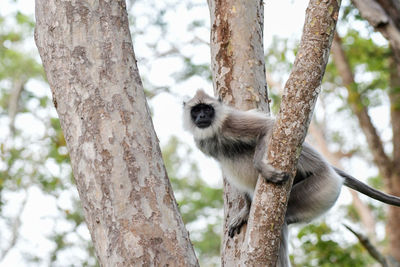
(202, 115)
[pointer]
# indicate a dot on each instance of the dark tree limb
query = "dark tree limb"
(372, 250)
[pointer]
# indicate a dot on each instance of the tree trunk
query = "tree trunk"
(375, 14)
(393, 187)
(299, 97)
(393, 219)
(128, 202)
(238, 68)
(382, 161)
(389, 168)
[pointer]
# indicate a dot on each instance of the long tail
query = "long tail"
(355, 184)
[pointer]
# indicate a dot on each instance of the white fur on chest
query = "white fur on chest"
(241, 173)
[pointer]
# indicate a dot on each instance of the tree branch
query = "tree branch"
(372, 250)
(301, 91)
(394, 96)
(381, 21)
(382, 161)
(238, 69)
(392, 8)
(17, 88)
(319, 140)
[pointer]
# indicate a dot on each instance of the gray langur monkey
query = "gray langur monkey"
(238, 140)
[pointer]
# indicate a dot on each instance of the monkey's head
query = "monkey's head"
(203, 115)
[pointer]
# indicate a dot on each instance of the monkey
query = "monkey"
(239, 139)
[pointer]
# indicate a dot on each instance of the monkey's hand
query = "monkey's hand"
(238, 221)
(270, 173)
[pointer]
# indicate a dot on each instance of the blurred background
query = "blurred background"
(41, 220)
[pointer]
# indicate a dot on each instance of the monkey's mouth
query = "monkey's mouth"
(203, 124)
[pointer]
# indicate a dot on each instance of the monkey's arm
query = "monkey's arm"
(247, 124)
(262, 165)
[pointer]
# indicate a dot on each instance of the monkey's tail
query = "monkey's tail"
(359, 186)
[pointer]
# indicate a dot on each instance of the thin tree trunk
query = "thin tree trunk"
(392, 227)
(128, 202)
(375, 14)
(237, 61)
(382, 161)
(365, 213)
(298, 101)
(388, 167)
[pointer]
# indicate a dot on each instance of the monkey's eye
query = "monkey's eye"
(203, 109)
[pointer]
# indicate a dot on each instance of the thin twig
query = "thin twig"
(372, 250)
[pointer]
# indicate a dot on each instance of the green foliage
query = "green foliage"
(33, 150)
(197, 200)
(11, 57)
(279, 61)
(319, 249)
(368, 59)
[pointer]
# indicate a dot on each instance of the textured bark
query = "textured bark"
(319, 141)
(237, 61)
(298, 101)
(129, 206)
(237, 54)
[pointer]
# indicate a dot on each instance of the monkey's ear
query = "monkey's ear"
(219, 99)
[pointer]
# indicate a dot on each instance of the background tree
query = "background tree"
(34, 159)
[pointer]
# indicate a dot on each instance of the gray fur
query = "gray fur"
(238, 140)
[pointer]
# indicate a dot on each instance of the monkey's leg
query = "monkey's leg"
(283, 258)
(313, 196)
(241, 218)
(262, 165)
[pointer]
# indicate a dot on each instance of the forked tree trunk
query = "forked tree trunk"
(129, 206)
(238, 69)
(237, 64)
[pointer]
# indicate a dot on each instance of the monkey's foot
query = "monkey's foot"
(237, 222)
(235, 226)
